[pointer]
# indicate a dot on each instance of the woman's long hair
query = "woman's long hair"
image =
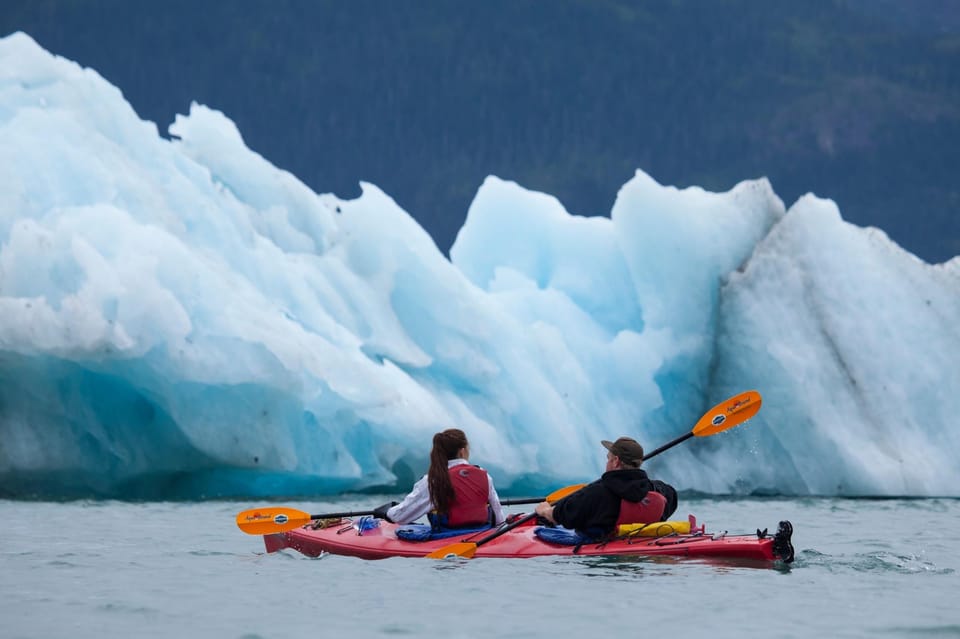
(445, 447)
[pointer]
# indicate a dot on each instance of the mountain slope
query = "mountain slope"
(851, 99)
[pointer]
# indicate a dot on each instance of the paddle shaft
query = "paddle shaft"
(520, 502)
(354, 513)
(361, 513)
(678, 440)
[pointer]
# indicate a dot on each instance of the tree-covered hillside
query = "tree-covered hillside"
(856, 100)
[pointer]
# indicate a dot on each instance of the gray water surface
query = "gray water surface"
(864, 568)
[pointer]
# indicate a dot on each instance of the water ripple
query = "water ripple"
(880, 561)
(923, 631)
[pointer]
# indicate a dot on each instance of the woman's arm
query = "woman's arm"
(414, 506)
(494, 500)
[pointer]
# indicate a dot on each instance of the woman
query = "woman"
(455, 493)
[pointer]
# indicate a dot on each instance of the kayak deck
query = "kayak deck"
(346, 537)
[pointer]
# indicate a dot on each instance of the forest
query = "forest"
(855, 100)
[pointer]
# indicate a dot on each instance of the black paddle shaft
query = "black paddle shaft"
(355, 513)
(678, 440)
(361, 513)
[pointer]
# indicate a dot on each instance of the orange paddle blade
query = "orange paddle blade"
(728, 413)
(559, 494)
(263, 521)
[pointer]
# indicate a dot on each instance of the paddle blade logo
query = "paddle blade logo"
(728, 414)
(280, 519)
(737, 405)
(257, 516)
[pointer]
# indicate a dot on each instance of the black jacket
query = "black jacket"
(594, 509)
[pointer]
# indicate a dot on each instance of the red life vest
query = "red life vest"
(471, 490)
(646, 511)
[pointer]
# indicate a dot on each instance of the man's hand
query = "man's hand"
(545, 510)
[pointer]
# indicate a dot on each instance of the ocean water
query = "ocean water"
(864, 568)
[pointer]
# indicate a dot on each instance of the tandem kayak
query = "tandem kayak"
(369, 538)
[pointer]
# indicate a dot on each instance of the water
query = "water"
(877, 568)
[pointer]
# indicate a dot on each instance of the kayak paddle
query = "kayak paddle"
(275, 519)
(725, 415)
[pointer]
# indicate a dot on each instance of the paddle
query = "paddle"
(725, 415)
(275, 519)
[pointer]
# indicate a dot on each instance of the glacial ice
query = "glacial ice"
(182, 319)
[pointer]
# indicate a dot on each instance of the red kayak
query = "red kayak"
(352, 537)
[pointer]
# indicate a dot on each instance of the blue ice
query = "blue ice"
(181, 318)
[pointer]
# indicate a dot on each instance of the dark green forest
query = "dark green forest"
(855, 100)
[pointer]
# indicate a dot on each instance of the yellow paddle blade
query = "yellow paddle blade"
(728, 413)
(263, 521)
(463, 549)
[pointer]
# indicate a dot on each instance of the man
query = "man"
(619, 496)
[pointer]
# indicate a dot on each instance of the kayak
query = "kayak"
(369, 538)
(373, 538)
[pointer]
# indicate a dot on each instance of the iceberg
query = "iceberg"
(181, 319)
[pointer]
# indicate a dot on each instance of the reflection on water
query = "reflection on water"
(449, 563)
(649, 566)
